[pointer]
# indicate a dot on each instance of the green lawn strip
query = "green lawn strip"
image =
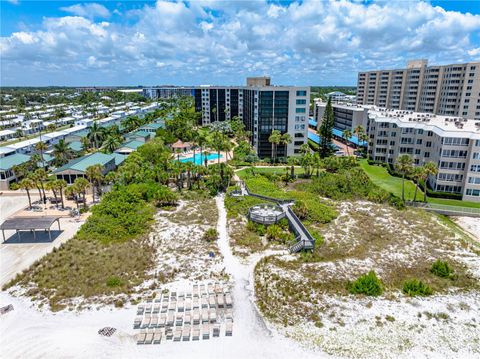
(380, 176)
(278, 170)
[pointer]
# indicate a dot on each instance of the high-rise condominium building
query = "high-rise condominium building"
(164, 92)
(346, 116)
(451, 90)
(262, 109)
(452, 143)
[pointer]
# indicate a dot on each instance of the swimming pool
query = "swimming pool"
(200, 158)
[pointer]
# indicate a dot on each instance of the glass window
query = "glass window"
(300, 110)
(301, 102)
(301, 93)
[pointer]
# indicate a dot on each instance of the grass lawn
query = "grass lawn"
(380, 176)
(279, 170)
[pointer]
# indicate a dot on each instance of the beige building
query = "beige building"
(451, 90)
(258, 81)
(453, 143)
(346, 116)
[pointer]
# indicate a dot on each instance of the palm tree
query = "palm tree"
(111, 143)
(62, 153)
(41, 147)
(417, 175)
(346, 135)
(60, 185)
(50, 185)
(80, 186)
(27, 184)
(96, 134)
(274, 138)
(404, 166)
(429, 169)
(85, 143)
(72, 191)
(359, 131)
(292, 161)
(40, 175)
(94, 174)
(285, 140)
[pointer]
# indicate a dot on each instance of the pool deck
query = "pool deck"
(223, 156)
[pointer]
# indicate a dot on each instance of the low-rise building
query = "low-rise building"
(452, 143)
(346, 116)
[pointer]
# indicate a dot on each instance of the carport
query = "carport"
(32, 224)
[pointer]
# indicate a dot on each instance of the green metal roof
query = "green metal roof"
(82, 133)
(119, 158)
(153, 125)
(76, 146)
(132, 144)
(82, 163)
(139, 134)
(6, 163)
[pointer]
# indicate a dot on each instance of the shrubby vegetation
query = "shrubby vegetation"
(367, 284)
(415, 287)
(442, 269)
(210, 235)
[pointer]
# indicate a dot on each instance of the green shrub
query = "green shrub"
(274, 232)
(113, 282)
(442, 269)
(367, 284)
(317, 236)
(414, 287)
(283, 223)
(300, 209)
(210, 235)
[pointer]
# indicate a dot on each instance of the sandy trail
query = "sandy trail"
(29, 333)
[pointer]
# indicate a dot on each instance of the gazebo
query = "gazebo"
(33, 224)
(182, 146)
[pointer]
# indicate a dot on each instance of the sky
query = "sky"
(131, 43)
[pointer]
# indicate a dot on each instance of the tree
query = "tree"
(346, 135)
(40, 175)
(80, 187)
(50, 185)
(359, 131)
(94, 174)
(41, 147)
(285, 140)
(111, 143)
(404, 166)
(417, 174)
(62, 153)
(71, 191)
(85, 143)
(275, 138)
(326, 128)
(96, 134)
(429, 169)
(60, 184)
(27, 184)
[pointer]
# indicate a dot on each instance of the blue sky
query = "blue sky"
(221, 42)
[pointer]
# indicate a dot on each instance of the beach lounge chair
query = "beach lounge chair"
(162, 320)
(169, 333)
(140, 309)
(204, 302)
(216, 330)
(188, 295)
(229, 328)
(220, 300)
(179, 320)
(137, 322)
(140, 338)
(211, 301)
(228, 300)
(196, 333)
(210, 288)
(181, 295)
(172, 305)
(157, 337)
(145, 322)
(154, 321)
(181, 305)
(156, 308)
(196, 303)
(170, 319)
(212, 316)
(164, 307)
(188, 319)
(218, 288)
(206, 331)
(202, 289)
(149, 338)
(195, 288)
(196, 317)
(148, 309)
(158, 299)
(229, 314)
(188, 304)
(205, 318)
(177, 335)
(186, 333)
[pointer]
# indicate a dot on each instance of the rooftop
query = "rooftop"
(6, 163)
(82, 163)
(441, 125)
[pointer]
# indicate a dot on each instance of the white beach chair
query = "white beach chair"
(162, 320)
(145, 322)
(137, 322)
(149, 338)
(154, 321)
(216, 330)
(177, 335)
(228, 300)
(140, 338)
(157, 337)
(212, 316)
(211, 301)
(206, 331)
(186, 333)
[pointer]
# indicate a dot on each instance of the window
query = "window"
(474, 180)
(301, 102)
(427, 154)
(473, 192)
(300, 110)
(301, 93)
(428, 144)
(475, 168)
(417, 151)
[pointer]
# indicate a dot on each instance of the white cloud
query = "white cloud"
(14, 2)
(88, 10)
(310, 42)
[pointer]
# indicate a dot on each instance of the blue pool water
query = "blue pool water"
(200, 158)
